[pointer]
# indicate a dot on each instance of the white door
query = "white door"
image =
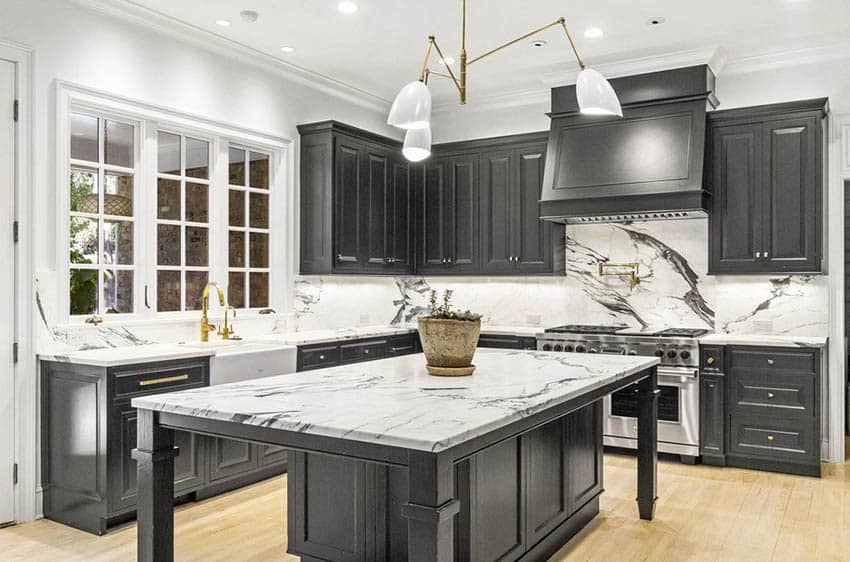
(7, 287)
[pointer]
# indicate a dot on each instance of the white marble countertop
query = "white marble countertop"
(755, 339)
(128, 355)
(395, 402)
(324, 336)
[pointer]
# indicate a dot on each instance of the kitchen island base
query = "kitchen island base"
(522, 498)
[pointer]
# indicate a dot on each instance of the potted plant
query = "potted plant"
(449, 338)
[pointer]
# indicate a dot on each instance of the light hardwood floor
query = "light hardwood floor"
(703, 513)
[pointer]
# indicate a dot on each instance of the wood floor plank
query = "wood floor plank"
(704, 514)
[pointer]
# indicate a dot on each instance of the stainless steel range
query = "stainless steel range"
(678, 403)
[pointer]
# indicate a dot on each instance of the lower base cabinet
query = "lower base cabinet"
(512, 496)
(89, 432)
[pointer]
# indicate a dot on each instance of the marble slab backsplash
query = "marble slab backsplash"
(674, 291)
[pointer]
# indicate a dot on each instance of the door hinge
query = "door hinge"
(15, 110)
(15, 232)
(15, 352)
(15, 473)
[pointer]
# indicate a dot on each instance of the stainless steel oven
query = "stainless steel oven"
(678, 413)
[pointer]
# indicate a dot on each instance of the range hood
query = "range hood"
(646, 166)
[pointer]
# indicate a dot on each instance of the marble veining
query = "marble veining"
(396, 403)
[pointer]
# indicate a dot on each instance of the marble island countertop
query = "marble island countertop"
(395, 402)
(127, 355)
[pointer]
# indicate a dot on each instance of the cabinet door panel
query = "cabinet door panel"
(374, 214)
(791, 195)
(399, 217)
(316, 202)
(546, 502)
(738, 179)
(584, 462)
(711, 423)
(461, 228)
(497, 211)
(347, 204)
(533, 236)
(271, 454)
(432, 219)
(229, 457)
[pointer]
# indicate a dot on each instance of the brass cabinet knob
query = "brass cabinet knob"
(710, 360)
(758, 254)
(770, 361)
(766, 255)
(711, 385)
(770, 437)
(770, 395)
(366, 351)
(339, 257)
(321, 357)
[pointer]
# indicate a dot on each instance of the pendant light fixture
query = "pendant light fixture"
(417, 144)
(411, 108)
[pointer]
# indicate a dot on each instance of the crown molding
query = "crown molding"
(791, 57)
(496, 100)
(134, 13)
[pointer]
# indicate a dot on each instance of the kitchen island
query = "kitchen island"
(390, 463)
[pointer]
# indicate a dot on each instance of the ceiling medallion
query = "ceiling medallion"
(411, 109)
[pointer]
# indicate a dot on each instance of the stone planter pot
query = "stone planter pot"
(449, 345)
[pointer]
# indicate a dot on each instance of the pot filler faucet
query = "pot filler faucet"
(206, 327)
(629, 270)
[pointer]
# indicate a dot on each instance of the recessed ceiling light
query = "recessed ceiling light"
(447, 61)
(593, 33)
(651, 22)
(223, 23)
(249, 16)
(287, 49)
(347, 7)
(539, 43)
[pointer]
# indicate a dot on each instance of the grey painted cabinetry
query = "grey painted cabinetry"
(512, 495)
(767, 175)
(470, 209)
(760, 408)
(355, 202)
(331, 354)
(89, 433)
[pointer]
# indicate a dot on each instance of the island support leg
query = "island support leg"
(647, 455)
(155, 513)
(431, 508)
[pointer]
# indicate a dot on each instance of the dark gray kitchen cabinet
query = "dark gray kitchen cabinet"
(355, 202)
(513, 238)
(712, 440)
(448, 228)
(89, 432)
(766, 175)
(344, 352)
(502, 341)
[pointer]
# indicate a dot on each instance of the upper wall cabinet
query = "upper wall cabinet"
(356, 197)
(766, 173)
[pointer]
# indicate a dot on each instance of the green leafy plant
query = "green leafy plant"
(444, 311)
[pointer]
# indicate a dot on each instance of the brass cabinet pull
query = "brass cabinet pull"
(770, 437)
(711, 385)
(163, 380)
(758, 254)
(770, 395)
(710, 361)
(766, 255)
(770, 361)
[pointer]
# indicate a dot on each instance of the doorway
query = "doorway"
(7, 291)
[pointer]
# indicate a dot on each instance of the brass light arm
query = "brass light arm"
(559, 21)
(460, 88)
(423, 76)
(572, 43)
(435, 73)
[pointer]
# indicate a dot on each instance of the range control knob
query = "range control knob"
(685, 354)
(659, 353)
(558, 347)
(568, 348)
(580, 348)
(547, 347)
(672, 354)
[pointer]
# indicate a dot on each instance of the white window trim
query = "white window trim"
(282, 198)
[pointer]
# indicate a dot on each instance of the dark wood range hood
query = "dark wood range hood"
(646, 166)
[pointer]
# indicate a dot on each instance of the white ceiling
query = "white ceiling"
(382, 45)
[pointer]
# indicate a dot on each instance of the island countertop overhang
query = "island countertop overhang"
(395, 403)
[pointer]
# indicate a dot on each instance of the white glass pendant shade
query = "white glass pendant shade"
(417, 144)
(595, 94)
(412, 107)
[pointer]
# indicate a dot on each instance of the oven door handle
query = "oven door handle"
(678, 371)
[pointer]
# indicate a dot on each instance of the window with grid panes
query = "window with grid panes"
(248, 228)
(102, 255)
(182, 221)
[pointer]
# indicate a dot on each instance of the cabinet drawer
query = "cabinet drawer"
(772, 358)
(364, 351)
(758, 390)
(138, 380)
(403, 345)
(318, 356)
(772, 437)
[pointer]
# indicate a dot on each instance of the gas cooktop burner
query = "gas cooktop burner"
(585, 329)
(681, 333)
